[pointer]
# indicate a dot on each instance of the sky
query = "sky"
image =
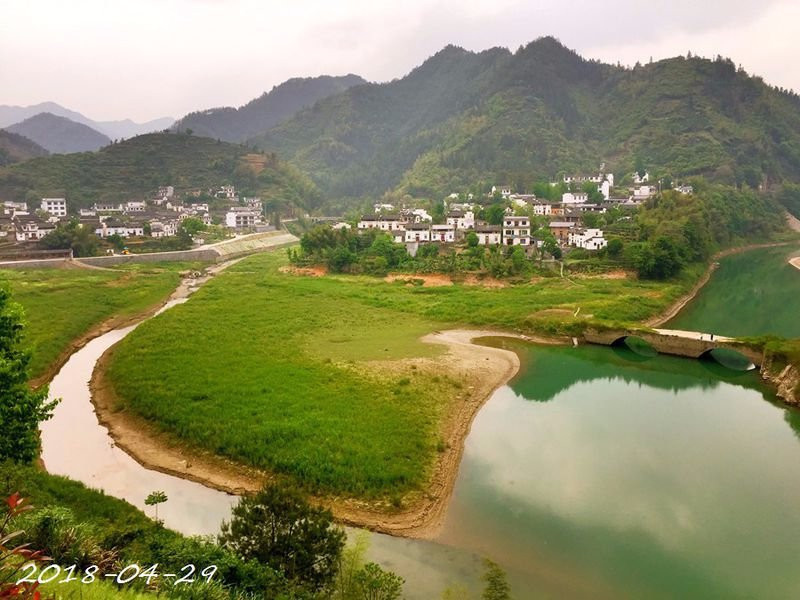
(143, 59)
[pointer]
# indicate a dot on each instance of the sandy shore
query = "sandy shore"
(483, 369)
(795, 262)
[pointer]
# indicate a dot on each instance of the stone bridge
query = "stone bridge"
(691, 344)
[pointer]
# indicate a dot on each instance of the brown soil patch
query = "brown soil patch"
(795, 262)
(481, 368)
(307, 271)
(489, 282)
(617, 274)
(428, 280)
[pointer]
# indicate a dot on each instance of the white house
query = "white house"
(166, 191)
(382, 222)
(30, 229)
(542, 209)
(55, 207)
(504, 190)
(417, 232)
(516, 231)
(461, 220)
(342, 225)
(588, 239)
(574, 197)
(242, 217)
(639, 179)
(643, 191)
(107, 207)
(420, 215)
(443, 233)
(15, 208)
(489, 235)
(112, 226)
(381, 207)
(226, 191)
(135, 206)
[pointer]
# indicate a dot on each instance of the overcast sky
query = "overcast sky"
(143, 59)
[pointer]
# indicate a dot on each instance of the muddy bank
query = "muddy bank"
(481, 368)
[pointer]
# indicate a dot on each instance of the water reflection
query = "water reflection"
(636, 479)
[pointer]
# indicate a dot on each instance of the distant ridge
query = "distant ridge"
(59, 135)
(10, 115)
(257, 116)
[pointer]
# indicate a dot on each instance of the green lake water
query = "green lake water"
(605, 473)
(599, 473)
(751, 293)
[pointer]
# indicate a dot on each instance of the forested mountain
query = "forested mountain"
(502, 117)
(259, 115)
(125, 128)
(59, 135)
(135, 168)
(16, 148)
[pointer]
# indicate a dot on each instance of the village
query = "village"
(523, 218)
(160, 216)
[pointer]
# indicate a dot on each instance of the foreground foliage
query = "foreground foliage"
(21, 409)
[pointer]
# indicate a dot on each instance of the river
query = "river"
(594, 473)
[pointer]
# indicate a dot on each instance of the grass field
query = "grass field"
(267, 368)
(61, 305)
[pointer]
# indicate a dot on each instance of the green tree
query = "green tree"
(193, 225)
(21, 409)
(72, 235)
(497, 587)
(373, 583)
(154, 499)
(280, 529)
(472, 239)
(615, 248)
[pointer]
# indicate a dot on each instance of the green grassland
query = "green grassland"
(267, 368)
(61, 305)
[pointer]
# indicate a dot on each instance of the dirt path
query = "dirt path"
(681, 302)
(793, 222)
(483, 369)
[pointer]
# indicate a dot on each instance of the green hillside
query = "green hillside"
(135, 168)
(16, 148)
(464, 117)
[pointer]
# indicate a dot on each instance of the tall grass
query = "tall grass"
(268, 368)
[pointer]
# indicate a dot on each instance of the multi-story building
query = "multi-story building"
(242, 217)
(55, 207)
(588, 239)
(516, 231)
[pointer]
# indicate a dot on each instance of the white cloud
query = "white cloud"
(147, 58)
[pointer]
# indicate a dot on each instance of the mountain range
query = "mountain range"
(500, 117)
(59, 135)
(9, 115)
(266, 111)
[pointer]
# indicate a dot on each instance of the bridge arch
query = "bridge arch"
(729, 358)
(635, 344)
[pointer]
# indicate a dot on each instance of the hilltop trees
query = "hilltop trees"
(21, 409)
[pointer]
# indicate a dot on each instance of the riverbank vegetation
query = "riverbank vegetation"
(286, 379)
(61, 305)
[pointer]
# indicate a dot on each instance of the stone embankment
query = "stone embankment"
(222, 251)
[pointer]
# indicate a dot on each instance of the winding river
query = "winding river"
(594, 473)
